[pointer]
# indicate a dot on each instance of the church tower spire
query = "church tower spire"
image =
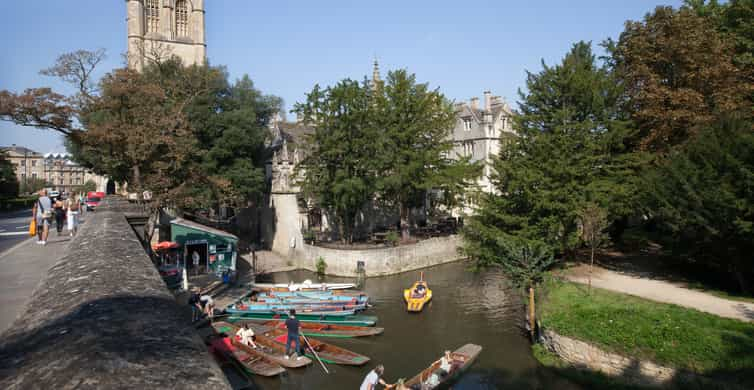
(376, 74)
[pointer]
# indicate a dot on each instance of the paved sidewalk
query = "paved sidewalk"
(662, 291)
(22, 267)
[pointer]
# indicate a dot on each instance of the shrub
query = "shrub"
(392, 238)
(321, 266)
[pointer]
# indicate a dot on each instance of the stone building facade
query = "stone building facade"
(63, 174)
(480, 132)
(28, 164)
(158, 29)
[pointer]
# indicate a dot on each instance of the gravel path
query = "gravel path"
(662, 291)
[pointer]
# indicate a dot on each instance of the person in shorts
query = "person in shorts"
(43, 214)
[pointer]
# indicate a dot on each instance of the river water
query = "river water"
(466, 307)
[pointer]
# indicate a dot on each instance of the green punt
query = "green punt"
(355, 320)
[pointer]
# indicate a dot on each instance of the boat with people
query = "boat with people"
(254, 363)
(446, 369)
(326, 352)
(418, 295)
(268, 348)
(352, 320)
(314, 329)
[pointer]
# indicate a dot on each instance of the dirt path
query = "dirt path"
(663, 291)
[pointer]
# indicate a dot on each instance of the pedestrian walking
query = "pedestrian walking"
(59, 210)
(293, 325)
(42, 212)
(72, 216)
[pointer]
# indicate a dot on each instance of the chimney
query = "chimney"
(487, 100)
(474, 103)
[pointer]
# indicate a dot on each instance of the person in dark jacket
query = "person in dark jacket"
(293, 325)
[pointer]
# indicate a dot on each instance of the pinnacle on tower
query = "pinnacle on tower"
(376, 72)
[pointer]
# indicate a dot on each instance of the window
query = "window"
(152, 13)
(23, 163)
(34, 163)
(33, 175)
(181, 19)
(467, 124)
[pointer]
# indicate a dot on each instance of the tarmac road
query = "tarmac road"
(14, 228)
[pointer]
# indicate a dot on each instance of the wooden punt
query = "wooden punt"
(320, 330)
(355, 320)
(418, 295)
(270, 349)
(256, 364)
(328, 353)
(432, 377)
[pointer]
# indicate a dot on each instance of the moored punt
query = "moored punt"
(432, 377)
(320, 330)
(347, 305)
(328, 353)
(235, 309)
(306, 285)
(355, 320)
(353, 299)
(257, 364)
(269, 348)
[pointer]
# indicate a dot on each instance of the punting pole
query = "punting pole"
(314, 352)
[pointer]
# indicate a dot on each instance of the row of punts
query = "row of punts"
(324, 311)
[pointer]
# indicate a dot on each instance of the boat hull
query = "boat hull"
(355, 320)
(256, 364)
(319, 330)
(328, 353)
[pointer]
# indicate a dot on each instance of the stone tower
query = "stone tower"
(158, 29)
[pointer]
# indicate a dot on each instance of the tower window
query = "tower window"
(152, 11)
(181, 19)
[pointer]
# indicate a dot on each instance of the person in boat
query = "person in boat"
(208, 306)
(196, 308)
(373, 378)
(293, 325)
(420, 291)
(247, 336)
(446, 364)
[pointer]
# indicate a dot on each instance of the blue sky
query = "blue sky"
(289, 46)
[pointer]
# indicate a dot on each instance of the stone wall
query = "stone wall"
(381, 261)
(631, 370)
(103, 318)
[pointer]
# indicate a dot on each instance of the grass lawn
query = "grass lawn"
(667, 334)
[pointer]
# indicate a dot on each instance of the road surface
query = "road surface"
(14, 228)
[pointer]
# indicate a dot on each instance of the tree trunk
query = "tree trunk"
(532, 319)
(743, 284)
(137, 177)
(591, 265)
(405, 232)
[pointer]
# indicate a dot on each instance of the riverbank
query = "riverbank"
(683, 339)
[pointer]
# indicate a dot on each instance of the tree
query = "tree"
(89, 186)
(415, 122)
(702, 198)
(593, 221)
(680, 75)
(32, 185)
(571, 150)
(8, 180)
(339, 169)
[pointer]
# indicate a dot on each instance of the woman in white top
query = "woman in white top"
(246, 335)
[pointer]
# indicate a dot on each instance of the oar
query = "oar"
(315, 353)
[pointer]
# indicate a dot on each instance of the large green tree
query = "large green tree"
(702, 197)
(570, 151)
(340, 167)
(415, 123)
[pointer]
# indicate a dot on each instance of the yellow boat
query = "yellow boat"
(418, 295)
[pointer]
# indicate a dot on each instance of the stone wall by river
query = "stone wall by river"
(381, 261)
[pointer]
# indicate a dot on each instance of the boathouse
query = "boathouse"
(205, 249)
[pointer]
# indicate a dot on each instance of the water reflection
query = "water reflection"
(466, 308)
